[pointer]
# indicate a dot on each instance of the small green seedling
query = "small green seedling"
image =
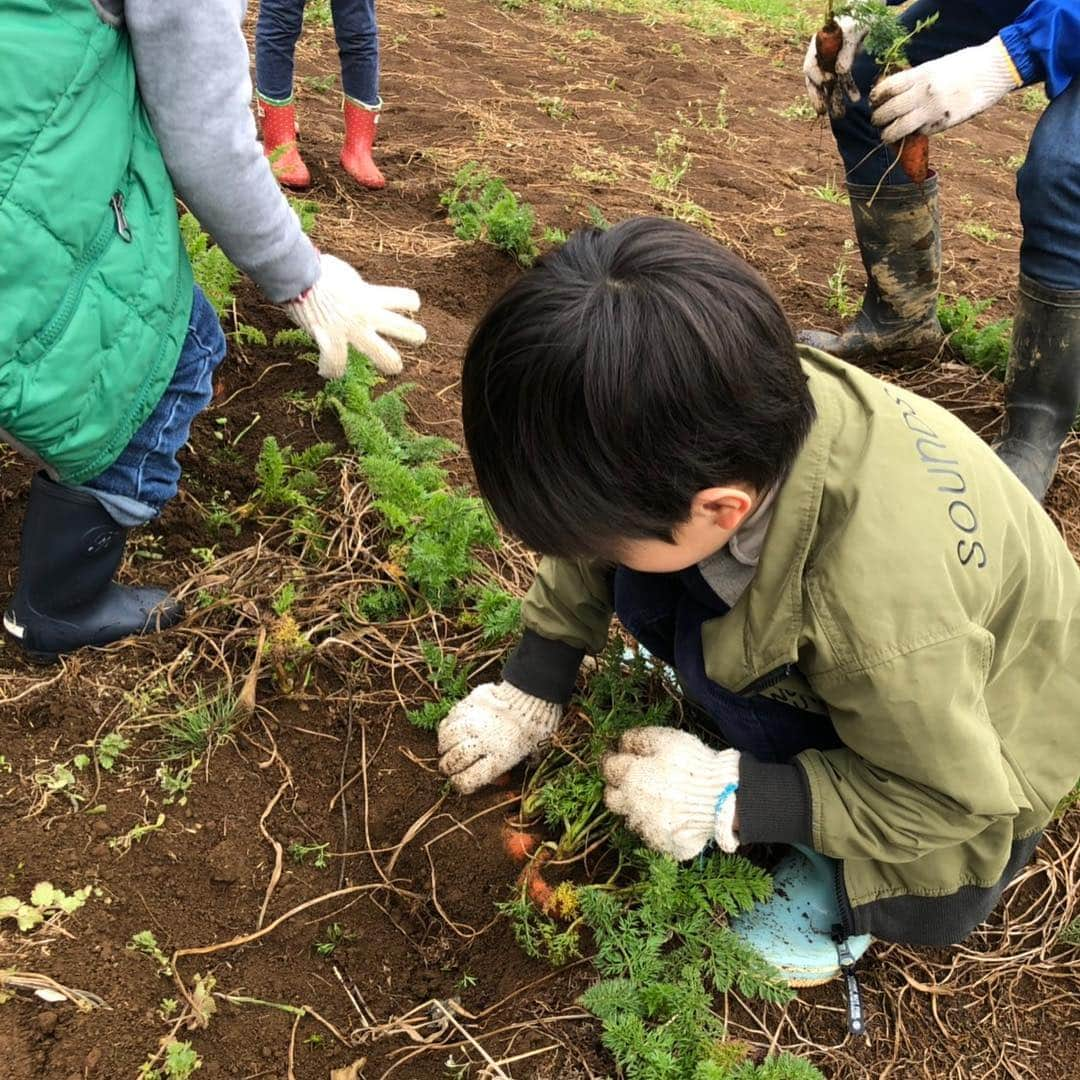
(181, 1062)
(45, 901)
(135, 835)
(146, 943)
(299, 853)
(336, 935)
(109, 750)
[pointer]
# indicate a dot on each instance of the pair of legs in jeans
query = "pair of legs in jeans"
(897, 225)
(73, 538)
(278, 30)
(136, 487)
(276, 34)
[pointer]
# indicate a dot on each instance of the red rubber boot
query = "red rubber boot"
(279, 144)
(360, 127)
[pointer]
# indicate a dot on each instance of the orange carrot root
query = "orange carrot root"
(914, 153)
(538, 890)
(517, 844)
(828, 42)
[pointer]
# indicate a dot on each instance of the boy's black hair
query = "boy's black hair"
(620, 376)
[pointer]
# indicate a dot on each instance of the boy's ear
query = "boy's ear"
(727, 507)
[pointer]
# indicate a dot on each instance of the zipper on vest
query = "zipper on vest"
(770, 679)
(122, 227)
(109, 228)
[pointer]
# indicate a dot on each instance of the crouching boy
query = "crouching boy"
(877, 618)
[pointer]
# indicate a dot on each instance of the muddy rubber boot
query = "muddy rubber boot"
(899, 235)
(66, 597)
(1042, 386)
(280, 145)
(797, 928)
(361, 126)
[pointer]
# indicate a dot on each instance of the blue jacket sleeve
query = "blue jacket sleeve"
(1044, 43)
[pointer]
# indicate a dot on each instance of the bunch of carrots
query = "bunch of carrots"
(564, 794)
(886, 40)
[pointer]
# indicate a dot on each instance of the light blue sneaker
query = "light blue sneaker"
(794, 929)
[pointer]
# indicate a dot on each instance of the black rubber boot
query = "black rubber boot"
(1042, 387)
(899, 234)
(66, 597)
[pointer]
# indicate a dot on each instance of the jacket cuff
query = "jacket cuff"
(773, 803)
(1021, 54)
(545, 668)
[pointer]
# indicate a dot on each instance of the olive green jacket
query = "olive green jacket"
(909, 585)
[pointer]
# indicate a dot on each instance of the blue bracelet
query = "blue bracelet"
(729, 790)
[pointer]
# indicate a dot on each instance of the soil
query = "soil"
(474, 82)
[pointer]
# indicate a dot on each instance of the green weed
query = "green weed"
(45, 901)
(1033, 99)
(984, 347)
(800, 109)
(175, 785)
(334, 935)
(599, 177)
(980, 231)
(829, 192)
(318, 13)
(597, 219)
(180, 1062)
(556, 107)
(839, 298)
(555, 237)
(146, 943)
(319, 84)
(672, 162)
(200, 726)
(481, 207)
(299, 853)
(1071, 934)
(109, 749)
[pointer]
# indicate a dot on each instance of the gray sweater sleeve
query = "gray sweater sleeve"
(193, 70)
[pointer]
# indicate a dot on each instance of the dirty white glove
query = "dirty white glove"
(489, 732)
(940, 93)
(831, 93)
(341, 309)
(675, 792)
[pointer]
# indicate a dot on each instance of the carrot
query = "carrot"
(518, 844)
(538, 890)
(828, 42)
(914, 154)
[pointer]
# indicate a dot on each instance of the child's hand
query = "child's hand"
(675, 792)
(489, 732)
(341, 309)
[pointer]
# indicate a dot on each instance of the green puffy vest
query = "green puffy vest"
(95, 285)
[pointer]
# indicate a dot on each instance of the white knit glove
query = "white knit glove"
(489, 732)
(831, 93)
(936, 95)
(675, 792)
(341, 309)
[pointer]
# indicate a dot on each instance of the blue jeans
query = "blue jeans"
(135, 488)
(1048, 184)
(278, 30)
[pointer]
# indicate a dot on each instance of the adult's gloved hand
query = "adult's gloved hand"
(941, 93)
(489, 732)
(675, 792)
(828, 92)
(341, 309)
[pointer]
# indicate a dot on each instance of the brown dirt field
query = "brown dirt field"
(471, 81)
